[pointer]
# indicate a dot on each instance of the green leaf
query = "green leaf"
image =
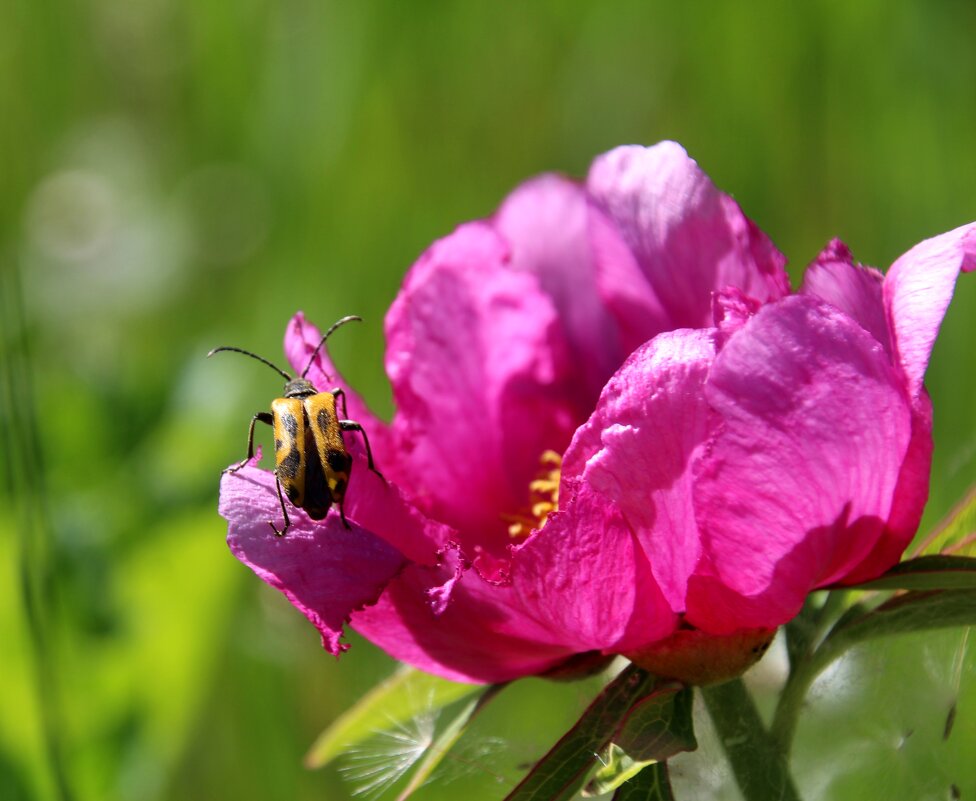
(447, 739)
(561, 772)
(656, 728)
(651, 784)
(399, 699)
(927, 573)
(659, 726)
(912, 611)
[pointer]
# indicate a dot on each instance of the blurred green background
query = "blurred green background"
(180, 175)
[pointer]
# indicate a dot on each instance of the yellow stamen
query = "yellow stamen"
(543, 497)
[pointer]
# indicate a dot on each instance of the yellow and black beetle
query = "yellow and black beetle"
(311, 460)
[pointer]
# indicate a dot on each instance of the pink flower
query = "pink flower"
(613, 419)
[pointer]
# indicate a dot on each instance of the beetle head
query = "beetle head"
(299, 388)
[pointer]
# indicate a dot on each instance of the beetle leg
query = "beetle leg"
(339, 394)
(342, 515)
(351, 425)
(264, 417)
(284, 511)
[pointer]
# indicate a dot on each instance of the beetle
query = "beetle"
(311, 460)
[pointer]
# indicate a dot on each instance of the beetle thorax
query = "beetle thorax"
(300, 388)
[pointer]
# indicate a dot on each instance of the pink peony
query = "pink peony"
(614, 422)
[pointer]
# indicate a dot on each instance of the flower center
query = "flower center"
(543, 497)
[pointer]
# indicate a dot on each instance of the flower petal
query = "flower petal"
(479, 370)
(799, 482)
(481, 635)
(379, 506)
(547, 223)
(623, 288)
(917, 291)
(689, 238)
(637, 450)
(586, 578)
(732, 310)
(855, 290)
(325, 570)
(910, 496)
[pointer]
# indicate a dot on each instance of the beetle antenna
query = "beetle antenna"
(325, 336)
(253, 356)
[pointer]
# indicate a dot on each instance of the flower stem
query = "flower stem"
(790, 704)
(805, 670)
(759, 765)
(834, 606)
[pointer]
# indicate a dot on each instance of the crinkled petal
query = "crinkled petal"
(800, 480)
(439, 596)
(325, 570)
(548, 223)
(479, 369)
(917, 291)
(855, 290)
(689, 238)
(731, 309)
(638, 447)
(585, 577)
(479, 635)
